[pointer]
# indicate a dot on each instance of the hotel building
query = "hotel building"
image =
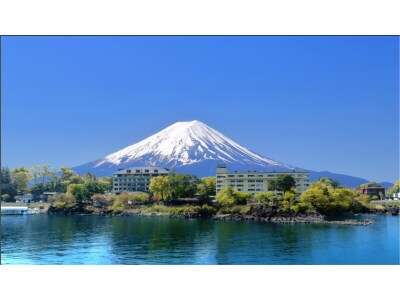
(135, 179)
(254, 181)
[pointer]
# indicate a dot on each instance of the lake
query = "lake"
(49, 239)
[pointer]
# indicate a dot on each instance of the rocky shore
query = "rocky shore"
(256, 214)
(297, 219)
(301, 219)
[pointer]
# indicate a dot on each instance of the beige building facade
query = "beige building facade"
(254, 181)
(135, 179)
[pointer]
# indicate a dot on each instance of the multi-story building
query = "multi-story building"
(135, 179)
(254, 181)
(372, 189)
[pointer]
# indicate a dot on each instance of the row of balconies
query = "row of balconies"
(259, 175)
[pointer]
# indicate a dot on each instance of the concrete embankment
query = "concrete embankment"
(37, 206)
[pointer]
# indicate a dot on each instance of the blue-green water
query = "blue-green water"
(43, 239)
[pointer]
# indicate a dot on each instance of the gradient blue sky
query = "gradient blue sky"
(322, 103)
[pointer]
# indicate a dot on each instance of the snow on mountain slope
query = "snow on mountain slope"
(185, 145)
(195, 148)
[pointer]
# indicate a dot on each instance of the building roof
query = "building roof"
(371, 185)
(142, 170)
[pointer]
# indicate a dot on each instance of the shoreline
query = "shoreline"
(276, 219)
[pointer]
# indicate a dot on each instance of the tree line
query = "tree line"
(40, 179)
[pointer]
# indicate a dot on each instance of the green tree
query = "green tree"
(182, 185)
(329, 181)
(395, 188)
(79, 191)
(341, 200)
(264, 197)
(95, 187)
(206, 188)
(326, 199)
(316, 196)
(36, 173)
(282, 183)
(39, 189)
(84, 191)
(173, 186)
(285, 182)
(160, 187)
(272, 185)
(288, 200)
(63, 201)
(66, 174)
(8, 189)
(67, 177)
(88, 177)
(106, 182)
(228, 197)
(241, 198)
(53, 181)
(20, 178)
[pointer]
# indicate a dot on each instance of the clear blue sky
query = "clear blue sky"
(322, 103)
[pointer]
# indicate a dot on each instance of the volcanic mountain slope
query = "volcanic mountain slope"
(186, 147)
(195, 148)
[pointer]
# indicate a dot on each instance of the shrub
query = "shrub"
(125, 200)
(360, 203)
(158, 208)
(63, 201)
(207, 211)
(118, 205)
(241, 198)
(317, 197)
(264, 197)
(134, 197)
(79, 191)
(302, 208)
(6, 198)
(100, 200)
(228, 197)
(186, 211)
(206, 188)
(236, 210)
(326, 199)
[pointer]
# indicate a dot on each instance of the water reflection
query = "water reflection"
(42, 239)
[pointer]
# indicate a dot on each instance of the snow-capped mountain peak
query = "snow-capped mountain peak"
(185, 144)
(194, 148)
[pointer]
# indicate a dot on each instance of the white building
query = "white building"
(254, 181)
(26, 198)
(135, 179)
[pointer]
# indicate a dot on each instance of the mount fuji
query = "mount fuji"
(195, 148)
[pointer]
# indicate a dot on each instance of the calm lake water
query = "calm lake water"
(43, 239)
